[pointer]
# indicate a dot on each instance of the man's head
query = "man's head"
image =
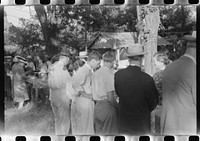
(64, 56)
(64, 59)
(94, 59)
(109, 58)
(190, 44)
(133, 59)
(135, 54)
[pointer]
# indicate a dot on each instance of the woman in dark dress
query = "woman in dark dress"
(160, 61)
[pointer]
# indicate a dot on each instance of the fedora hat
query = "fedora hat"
(190, 38)
(135, 50)
(64, 52)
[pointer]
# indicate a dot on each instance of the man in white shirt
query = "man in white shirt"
(60, 102)
(83, 108)
(103, 91)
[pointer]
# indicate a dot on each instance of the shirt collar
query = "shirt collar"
(88, 66)
(191, 57)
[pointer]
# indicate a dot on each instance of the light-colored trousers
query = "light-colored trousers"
(60, 104)
(82, 116)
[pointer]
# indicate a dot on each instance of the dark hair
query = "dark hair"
(54, 58)
(136, 58)
(109, 56)
(94, 55)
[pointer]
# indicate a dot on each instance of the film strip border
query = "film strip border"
(99, 2)
(101, 138)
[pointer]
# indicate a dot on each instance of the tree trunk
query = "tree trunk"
(151, 22)
(48, 31)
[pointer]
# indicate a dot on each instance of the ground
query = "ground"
(36, 119)
(33, 119)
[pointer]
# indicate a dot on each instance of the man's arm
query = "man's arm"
(112, 99)
(151, 94)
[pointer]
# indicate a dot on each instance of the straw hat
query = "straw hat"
(22, 59)
(135, 50)
(15, 59)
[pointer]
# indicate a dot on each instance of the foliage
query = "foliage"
(70, 25)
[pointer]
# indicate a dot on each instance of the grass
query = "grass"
(37, 119)
(30, 120)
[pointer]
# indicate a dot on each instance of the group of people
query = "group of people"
(16, 72)
(98, 100)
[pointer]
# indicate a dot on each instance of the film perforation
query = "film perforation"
(193, 138)
(70, 138)
(119, 138)
(20, 2)
(168, 1)
(193, 1)
(45, 2)
(119, 2)
(144, 138)
(20, 138)
(169, 138)
(144, 2)
(45, 138)
(94, 2)
(95, 138)
(69, 2)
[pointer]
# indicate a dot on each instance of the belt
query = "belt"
(101, 101)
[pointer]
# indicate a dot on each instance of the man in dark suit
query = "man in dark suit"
(137, 93)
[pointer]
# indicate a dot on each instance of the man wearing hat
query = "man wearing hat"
(19, 85)
(103, 92)
(137, 94)
(60, 102)
(179, 93)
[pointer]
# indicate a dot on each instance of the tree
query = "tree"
(148, 24)
(26, 36)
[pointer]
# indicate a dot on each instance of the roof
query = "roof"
(112, 40)
(162, 41)
(118, 40)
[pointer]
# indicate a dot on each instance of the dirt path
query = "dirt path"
(30, 120)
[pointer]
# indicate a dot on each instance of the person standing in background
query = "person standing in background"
(160, 60)
(19, 85)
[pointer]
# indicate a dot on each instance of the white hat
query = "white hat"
(83, 54)
(135, 50)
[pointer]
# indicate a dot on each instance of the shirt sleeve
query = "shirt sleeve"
(109, 82)
(79, 78)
